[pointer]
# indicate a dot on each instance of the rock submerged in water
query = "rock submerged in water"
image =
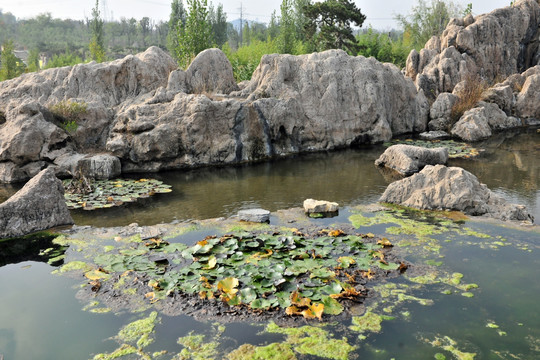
(254, 215)
(452, 188)
(39, 205)
(409, 159)
(312, 206)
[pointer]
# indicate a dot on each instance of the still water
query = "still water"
(40, 317)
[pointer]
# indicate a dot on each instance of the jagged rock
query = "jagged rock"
(39, 205)
(527, 104)
(497, 119)
(494, 45)
(99, 167)
(502, 95)
(472, 126)
(451, 188)
(358, 99)
(254, 215)
(478, 123)
(312, 206)
(440, 112)
(409, 159)
(140, 110)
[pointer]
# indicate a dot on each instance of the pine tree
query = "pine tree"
(329, 24)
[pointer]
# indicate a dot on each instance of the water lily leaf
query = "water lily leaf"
(322, 273)
(228, 287)
(387, 266)
(261, 304)
(332, 288)
(212, 263)
(248, 295)
(331, 306)
(346, 261)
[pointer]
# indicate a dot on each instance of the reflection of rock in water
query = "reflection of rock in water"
(38, 248)
(389, 175)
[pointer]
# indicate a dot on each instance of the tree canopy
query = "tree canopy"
(329, 24)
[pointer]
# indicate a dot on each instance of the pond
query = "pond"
(474, 293)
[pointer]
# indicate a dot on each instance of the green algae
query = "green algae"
(274, 351)
(309, 340)
(139, 331)
(75, 265)
(369, 322)
(467, 294)
(197, 348)
(448, 344)
(122, 351)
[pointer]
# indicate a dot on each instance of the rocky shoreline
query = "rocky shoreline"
(142, 114)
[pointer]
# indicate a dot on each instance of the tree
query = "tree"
(33, 61)
(273, 26)
(428, 20)
(286, 38)
(177, 22)
(10, 65)
(97, 48)
(197, 33)
(218, 19)
(329, 24)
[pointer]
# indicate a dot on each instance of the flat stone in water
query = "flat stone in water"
(434, 135)
(254, 215)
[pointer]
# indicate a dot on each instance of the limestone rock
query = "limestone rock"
(441, 111)
(502, 95)
(434, 135)
(211, 72)
(498, 44)
(473, 126)
(312, 206)
(451, 188)
(409, 159)
(39, 205)
(99, 167)
(528, 104)
(359, 100)
(254, 215)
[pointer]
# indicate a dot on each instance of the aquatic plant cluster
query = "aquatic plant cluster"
(109, 193)
(306, 276)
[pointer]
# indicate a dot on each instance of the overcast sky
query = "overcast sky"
(380, 14)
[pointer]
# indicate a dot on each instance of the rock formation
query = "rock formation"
(152, 117)
(409, 159)
(451, 188)
(39, 205)
(494, 45)
(484, 49)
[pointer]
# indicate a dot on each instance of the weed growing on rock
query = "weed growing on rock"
(70, 113)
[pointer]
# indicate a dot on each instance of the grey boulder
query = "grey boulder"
(451, 188)
(254, 215)
(39, 205)
(409, 159)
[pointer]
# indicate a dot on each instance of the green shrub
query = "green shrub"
(69, 112)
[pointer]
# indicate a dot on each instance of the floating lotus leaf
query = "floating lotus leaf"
(110, 193)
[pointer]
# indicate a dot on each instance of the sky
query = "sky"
(380, 14)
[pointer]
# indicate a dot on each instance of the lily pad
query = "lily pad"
(110, 193)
